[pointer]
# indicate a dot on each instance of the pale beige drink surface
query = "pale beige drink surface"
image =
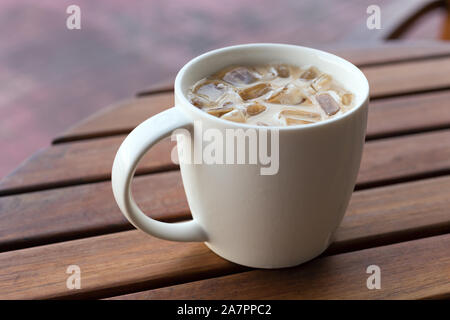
(271, 95)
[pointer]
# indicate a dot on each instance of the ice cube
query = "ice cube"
(240, 76)
(266, 73)
(199, 102)
(255, 109)
(220, 111)
(282, 70)
(347, 98)
(235, 115)
(212, 90)
(308, 93)
(300, 115)
(322, 83)
(327, 103)
(293, 121)
(289, 95)
(255, 91)
(310, 73)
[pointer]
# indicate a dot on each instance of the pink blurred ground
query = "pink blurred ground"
(51, 77)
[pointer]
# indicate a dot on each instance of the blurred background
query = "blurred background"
(52, 77)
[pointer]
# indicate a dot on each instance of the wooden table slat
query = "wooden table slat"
(55, 215)
(407, 157)
(410, 270)
(118, 262)
(89, 161)
(390, 52)
(119, 118)
(408, 114)
(407, 78)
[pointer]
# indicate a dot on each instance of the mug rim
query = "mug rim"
(178, 92)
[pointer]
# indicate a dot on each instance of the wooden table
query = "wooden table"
(57, 208)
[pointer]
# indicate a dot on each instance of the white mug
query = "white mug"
(263, 221)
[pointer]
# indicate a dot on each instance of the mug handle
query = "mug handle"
(133, 148)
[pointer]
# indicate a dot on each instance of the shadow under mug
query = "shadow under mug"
(263, 221)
